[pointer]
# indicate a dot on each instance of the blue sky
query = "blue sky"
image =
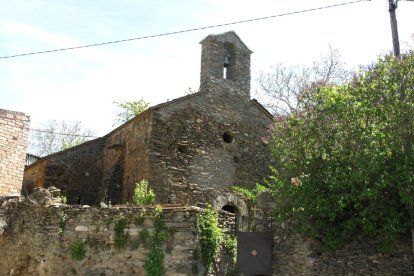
(82, 84)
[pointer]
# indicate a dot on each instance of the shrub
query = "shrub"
(143, 194)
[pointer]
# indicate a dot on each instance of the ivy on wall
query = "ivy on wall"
(210, 236)
(120, 236)
(154, 263)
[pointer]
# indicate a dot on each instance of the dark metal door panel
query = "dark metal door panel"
(254, 253)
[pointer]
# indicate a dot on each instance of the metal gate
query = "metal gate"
(254, 253)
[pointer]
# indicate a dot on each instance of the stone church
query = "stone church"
(191, 150)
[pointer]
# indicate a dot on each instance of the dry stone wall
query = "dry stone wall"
(14, 129)
(294, 254)
(38, 232)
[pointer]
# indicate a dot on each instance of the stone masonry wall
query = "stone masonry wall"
(14, 128)
(126, 158)
(294, 254)
(37, 238)
(36, 234)
(190, 159)
(213, 50)
(77, 172)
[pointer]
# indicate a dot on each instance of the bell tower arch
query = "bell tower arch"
(225, 59)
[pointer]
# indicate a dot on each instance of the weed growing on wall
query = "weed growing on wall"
(143, 194)
(64, 199)
(77, 250)
(139, 219)
(62, 222)
(120, 236)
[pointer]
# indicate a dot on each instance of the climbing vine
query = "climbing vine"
(139, 219)
(120, 236)
(62, 222)
(210, 236)
(154, 263)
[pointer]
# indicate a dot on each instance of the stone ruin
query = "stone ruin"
(192, 150)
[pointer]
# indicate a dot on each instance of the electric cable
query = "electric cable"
(182, 31)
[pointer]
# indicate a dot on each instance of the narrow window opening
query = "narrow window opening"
(224, 73)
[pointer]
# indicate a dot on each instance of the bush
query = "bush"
(143, 194)
(344, 165)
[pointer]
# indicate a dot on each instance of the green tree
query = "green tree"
(129, 109)
(345, 162)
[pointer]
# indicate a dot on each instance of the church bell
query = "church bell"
(226, 60)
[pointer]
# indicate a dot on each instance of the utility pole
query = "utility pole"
(396, 46)
(395, 41)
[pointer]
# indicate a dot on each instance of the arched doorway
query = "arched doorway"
(229, 202)
(233, 210)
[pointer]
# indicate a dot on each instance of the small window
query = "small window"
(228, 137)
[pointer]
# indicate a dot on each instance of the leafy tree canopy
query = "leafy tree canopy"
(129, 109)
(344, 164)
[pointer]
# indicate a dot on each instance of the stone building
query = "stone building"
(191, 150)
(14, 129)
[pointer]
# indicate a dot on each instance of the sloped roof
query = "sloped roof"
(229, 36)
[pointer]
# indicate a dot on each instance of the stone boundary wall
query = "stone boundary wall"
(14, 128)
(37, 232)
(294, 254)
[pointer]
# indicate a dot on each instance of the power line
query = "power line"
(183, 31)
(64, 134)
(80, 135)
